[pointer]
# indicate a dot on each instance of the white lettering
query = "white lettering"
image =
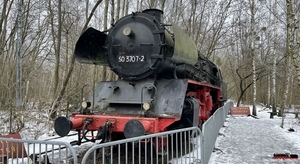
(130, 59)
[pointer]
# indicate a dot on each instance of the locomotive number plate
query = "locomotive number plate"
(131, 58)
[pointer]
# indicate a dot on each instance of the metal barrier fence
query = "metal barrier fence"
(210, 131)
(177, 146)
(36, 151)
(188, 145)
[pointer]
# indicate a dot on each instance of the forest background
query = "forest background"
(255, 43)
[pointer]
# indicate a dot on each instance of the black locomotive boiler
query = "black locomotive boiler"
(163, 84)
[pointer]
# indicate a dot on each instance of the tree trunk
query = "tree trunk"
(290, 52)
(118, 10)
(163, 3)
(104, 68)
(57, 43)
(105, 14)
(273, 75)
(269, 92)
(126, 7)
(252, 51)
(112, 12)
(297, 36)
(86, 9)
(3, 21)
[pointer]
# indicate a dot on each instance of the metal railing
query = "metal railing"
(36, 151)
(188, 145)
(210, 131)
(177, 146)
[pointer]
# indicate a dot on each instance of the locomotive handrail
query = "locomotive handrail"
(142, 93)
(93, 90)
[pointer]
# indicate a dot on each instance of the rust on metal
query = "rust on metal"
(12, 149)
(240, 111)
(285, 156)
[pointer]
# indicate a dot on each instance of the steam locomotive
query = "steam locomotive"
(164, 83)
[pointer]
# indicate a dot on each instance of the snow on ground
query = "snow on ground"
(246, 140)
(243, 140)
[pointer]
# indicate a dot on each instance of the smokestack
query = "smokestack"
(155, 12)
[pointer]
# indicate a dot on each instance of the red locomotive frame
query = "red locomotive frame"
(93, 122)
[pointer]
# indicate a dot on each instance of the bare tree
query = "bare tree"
(296, 33)
(56, 36)
(222, 30)
(290, 52)
(273, 74)
(58, 99)
(252, 51)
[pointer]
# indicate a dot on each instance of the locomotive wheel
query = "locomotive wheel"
(187, 117)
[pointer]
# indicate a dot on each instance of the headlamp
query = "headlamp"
(85, 104)
(146, 106)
